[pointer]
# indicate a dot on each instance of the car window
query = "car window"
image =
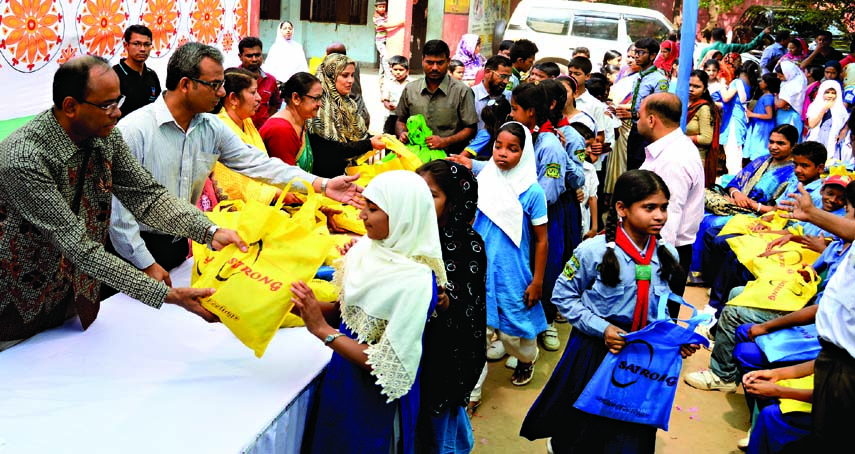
(638, 27)
(555, 21)
(597, 27)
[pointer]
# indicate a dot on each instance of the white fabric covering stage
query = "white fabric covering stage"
(142, 380)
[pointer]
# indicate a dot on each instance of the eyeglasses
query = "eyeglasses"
(108, 108)
(214, 84)
(140, 44)
(314, 98)
(503, 76)
(639, 51)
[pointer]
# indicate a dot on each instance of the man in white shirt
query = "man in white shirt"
(675, 158)
(834, 369)
(179, 143)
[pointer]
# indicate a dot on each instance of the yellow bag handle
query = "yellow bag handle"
(280, 202)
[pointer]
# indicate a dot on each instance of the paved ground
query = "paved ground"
(706, 422)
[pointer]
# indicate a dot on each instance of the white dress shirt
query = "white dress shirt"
(835, 318)
(181, 161)
(676, 159)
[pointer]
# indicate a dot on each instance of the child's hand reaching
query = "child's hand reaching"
(310, 311)
(614, 339)
(590, 233)
(688, 350)
(532, 294)
(580, 195)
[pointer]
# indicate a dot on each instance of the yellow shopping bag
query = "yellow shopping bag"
(253, 295)
(789, 258)
(786, 294)
(325, 292)
(741, 224)
(402, 159)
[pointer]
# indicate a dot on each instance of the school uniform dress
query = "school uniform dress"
(509, 270)
(757, 137)
(734, 124)
(590, 306)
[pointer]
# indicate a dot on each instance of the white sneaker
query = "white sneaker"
(742, 444)
(705, 380)
(495, 351)
(549, 338)
(512, 361)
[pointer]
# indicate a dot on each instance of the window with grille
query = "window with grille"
(350, 12)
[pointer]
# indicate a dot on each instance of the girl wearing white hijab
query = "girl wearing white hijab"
(826, 116)
(792, 95)
(369, 397)
(286, 57)
(512, 213)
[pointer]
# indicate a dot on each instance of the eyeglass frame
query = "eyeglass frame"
(144, 44)
(212, 84)
(109, 108)
(314, 98)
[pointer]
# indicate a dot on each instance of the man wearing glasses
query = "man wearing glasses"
(497, 72)
(179, 142)
(139, 83)
(58, 175)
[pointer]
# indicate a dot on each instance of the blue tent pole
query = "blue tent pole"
(687, 50)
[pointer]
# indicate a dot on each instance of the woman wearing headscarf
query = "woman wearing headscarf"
(796, 51)
(368, 400)
(454, 346)
(792, 95)
(338, 119)
(469, 53)
(827, 116)
(286, 56)
(729, 64)
(668, 54)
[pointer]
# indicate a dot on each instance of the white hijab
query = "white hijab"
(794, 88)
(387, 285)
(499, 190)
(286, 58)
(839, 115)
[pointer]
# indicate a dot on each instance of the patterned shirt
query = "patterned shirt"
(54, 221)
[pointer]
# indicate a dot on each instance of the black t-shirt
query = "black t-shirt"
(139, 89)
(820, 60)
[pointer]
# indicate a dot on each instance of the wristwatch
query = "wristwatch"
(635, 116)
(332, 337)
(209, 236)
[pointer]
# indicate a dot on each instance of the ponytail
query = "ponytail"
(610, 267)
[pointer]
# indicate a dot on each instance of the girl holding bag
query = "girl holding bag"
(612, 285)
(368, 400)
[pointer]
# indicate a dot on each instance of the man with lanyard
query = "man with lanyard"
(497, 72)
(650, 80)
(249, 51)
(179, 142)
(448, 105)
(138, 82)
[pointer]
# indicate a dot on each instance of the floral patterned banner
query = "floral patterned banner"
(36, 36)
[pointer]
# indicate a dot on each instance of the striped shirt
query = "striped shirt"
(181, 161)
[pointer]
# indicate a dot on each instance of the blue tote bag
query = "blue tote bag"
(797, 343)
(639, 383)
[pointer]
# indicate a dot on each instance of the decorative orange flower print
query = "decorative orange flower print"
(101, 24)
(228, 42)
(32, 32)
(161, 16)
(67, 54)
(205, 21)
(183, 40)
(241, 13)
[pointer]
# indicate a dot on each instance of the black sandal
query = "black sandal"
(523, 374)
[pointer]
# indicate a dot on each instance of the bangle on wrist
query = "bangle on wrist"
(324, 186)
(759, 206)
(209, 236)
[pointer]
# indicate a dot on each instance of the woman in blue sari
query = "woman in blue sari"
(761, 181)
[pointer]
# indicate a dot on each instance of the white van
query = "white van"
(558, 27)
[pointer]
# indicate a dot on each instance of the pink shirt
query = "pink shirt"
(676, 159)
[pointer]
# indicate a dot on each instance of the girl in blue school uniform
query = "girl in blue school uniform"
(531, 105)
(599, 295)
(511, 218)
(761, 119)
